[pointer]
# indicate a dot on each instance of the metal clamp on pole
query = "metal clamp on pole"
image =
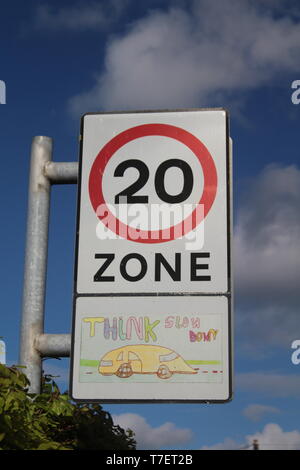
(34, 344)
(62, 172)
(53, 345)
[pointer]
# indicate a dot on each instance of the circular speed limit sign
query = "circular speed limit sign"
(151, 176)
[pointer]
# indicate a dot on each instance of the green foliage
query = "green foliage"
(50, 421)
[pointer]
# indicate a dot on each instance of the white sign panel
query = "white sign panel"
(154, 203)
(152, 293)
(151, 348)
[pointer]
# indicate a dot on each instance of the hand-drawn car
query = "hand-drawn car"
(143, 359)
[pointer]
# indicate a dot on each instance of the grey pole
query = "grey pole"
(34, 343)
(32, 323)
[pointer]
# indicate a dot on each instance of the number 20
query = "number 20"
(159, 181)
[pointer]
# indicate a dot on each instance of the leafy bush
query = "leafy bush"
(50, 421)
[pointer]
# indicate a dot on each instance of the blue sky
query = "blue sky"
(62, 58)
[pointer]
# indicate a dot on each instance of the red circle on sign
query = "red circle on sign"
(153, 236)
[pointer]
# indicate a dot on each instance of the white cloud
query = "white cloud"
(274, 438)
(149, 437)
(267, 235)
(266, 258)
(256, 412)
(227, 444)
(270, 384)
(81, 16)
(197, 56)
(271, 438)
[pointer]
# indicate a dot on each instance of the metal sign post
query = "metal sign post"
(34, 343)
(152, 301)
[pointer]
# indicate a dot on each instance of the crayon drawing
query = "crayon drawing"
(143, 359)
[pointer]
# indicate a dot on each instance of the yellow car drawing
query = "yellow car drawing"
(143, 359)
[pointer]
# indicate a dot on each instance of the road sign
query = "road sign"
(153, 247)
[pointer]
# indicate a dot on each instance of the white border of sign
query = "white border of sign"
(86, 396)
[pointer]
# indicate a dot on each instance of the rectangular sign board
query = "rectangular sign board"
(152, 293)
(152, 348)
